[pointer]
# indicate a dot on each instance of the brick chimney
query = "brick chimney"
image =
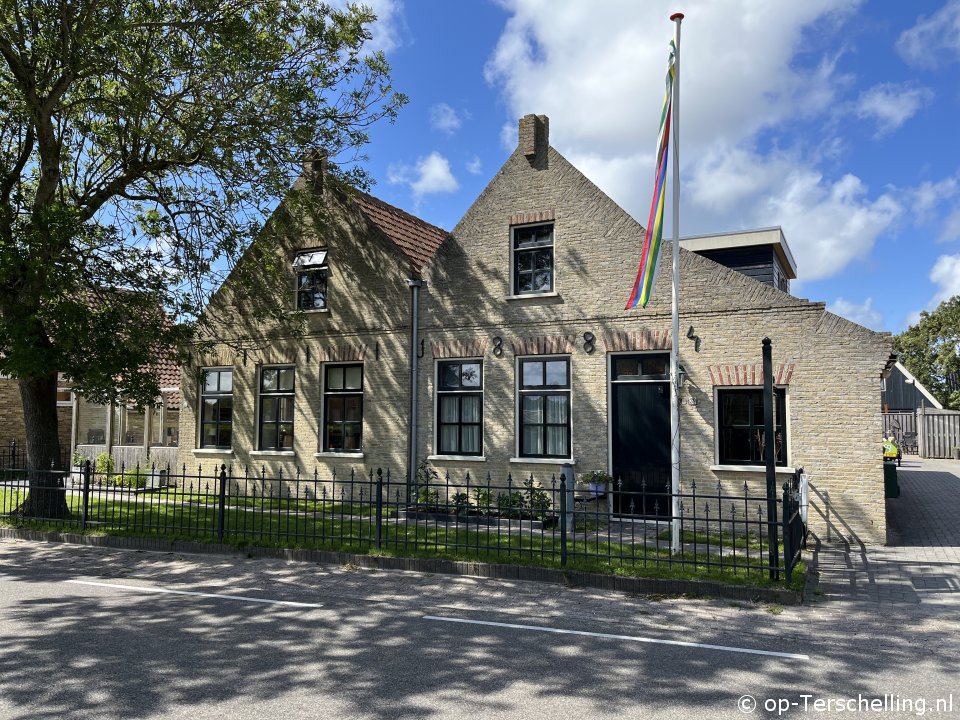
(315, 167)
(534, 136)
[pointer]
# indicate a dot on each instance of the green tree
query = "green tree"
(931, 351)
(143, 143)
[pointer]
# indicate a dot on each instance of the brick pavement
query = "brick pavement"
(920, 565)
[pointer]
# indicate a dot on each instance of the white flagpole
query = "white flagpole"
(675, 546)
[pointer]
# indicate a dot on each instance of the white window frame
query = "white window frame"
(203, 372)
(322, 439)
(788, 468)
(553, 270)
(438, 455)
(308, 261)
(518, 409)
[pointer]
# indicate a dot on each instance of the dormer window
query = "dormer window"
(532, 250)
(312, 272)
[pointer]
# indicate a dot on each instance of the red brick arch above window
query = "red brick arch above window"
(645, 339)
(749, 374)
(342, 353)
(526, 218)
(544, 345)
(459, 348)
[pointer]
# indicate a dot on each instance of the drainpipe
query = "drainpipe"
(415, 285)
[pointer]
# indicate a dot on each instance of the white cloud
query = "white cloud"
(891, 104)
(444, 118)
(927, 195)
(828, 223)
(946, 276)
(932, 37)
(863, 314)
(429, 175)
(951, 228)
(747, 66)
(474, 166)
(600, 68)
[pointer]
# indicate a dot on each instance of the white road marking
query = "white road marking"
(149, 589)
(629, 638)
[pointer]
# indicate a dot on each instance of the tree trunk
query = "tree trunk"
(47, 496)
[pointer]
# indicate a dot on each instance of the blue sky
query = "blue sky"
(835, 119)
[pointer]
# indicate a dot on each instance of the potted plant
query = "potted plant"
(598, 481)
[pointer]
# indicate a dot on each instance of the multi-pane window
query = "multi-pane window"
(532, 259)
(459, 407)
(343, 408)
(276, 408)
(312, 273)
(545, 407)
(216, 409)
(741, 426)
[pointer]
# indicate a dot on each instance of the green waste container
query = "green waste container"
(890, 485)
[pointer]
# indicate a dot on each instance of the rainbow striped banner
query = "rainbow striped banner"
(650, 253)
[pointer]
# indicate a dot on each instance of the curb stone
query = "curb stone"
(496, 571)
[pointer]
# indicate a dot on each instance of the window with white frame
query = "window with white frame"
(276, 408)
(740, 424)
(544, 417)
(532, 259)
(216, 408)
(343, 408)
(312, 275)
(459, 407)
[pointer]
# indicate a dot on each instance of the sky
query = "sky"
(834, 119)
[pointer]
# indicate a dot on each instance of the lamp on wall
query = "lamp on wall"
(681, 374)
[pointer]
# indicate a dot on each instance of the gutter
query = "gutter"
(414, 285)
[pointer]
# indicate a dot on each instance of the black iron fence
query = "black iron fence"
(722, 529)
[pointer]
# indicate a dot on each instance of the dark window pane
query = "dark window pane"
(736, 409)
(449, 437)
(544, 260)
(351, 436)
(268, 436)
(334, 436)
(209, 410)
(225, 437)
(542, 281)
(286, 379)
(470, 409)
(656, 365)
(449, 409)
(286, 409)
(525, 283)
(626, 367)
(226, 409)
(285, 440)
(354, 408)
(471, 440)
(335, 409)
(269, 410)
(532, 409)
(450, 376)
(532, 440)
(738, 445)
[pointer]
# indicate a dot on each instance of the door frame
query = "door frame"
(610, 384)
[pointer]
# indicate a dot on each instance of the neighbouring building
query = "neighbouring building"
(523, 358)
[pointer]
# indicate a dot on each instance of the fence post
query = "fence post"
(222, 508)
(563, 519)
(85, 471)
(13, 454)
(379, 507)
(769, 460)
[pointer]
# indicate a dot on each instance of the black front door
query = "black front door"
(641, 448)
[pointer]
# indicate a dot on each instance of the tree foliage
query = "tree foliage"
(143, 143)
(931, 351)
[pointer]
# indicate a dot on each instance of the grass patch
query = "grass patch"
(345, 527)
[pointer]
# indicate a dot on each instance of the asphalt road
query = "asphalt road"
(93, 633)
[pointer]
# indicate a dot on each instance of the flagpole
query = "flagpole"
(675, 545)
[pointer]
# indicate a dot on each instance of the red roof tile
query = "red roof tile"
(417, 239)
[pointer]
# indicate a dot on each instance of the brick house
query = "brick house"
(524, 358)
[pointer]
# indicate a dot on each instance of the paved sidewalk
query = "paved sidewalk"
(921, 564)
